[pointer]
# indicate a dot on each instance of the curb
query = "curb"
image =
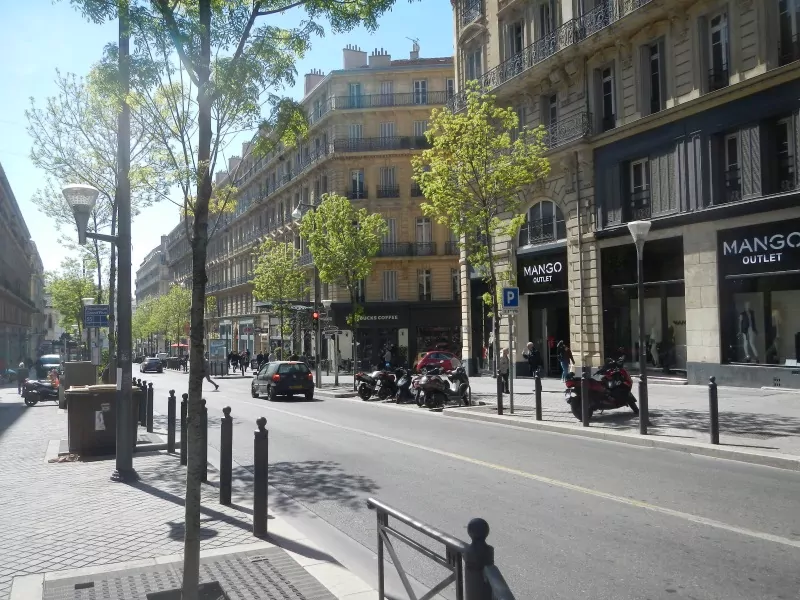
(788, 462)
(328, 394)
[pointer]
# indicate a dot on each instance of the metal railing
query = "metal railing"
(424, 248)
(639, 205)
(787, 181)
(568, 129)
(717, 79)
(381, 143)
(733, 185)
(471, 569)
(451, 248)
(470, 10)
(392, 99)
(396, 249)
(416, 191)
(356, 194)
(388, 191)
(305, 259)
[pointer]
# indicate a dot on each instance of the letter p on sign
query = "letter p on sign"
(510, 299)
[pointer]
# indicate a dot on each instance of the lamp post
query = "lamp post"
(327, 304)
(296, 215)
(639, 231)
(81, 199)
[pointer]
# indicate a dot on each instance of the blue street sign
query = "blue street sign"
(510, 298)
(95, 315)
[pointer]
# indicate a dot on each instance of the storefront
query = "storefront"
(226, 333)
(664, 304)
(246, 333)
(543, 282)
(759, 272)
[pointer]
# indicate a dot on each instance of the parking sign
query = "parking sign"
(510, 299)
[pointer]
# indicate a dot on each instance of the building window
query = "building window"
(522, 119)
(788, 25)
(717, 52)
(420, 91)
(733, 178)
(424, 284)
(387, 187)
(473, 64)
(355, 95)
(390, 237)
(420, 127)
(387, 129)
(640, 189)
(544, 223)
(785, 151)
(355, 131)
(357, 189)
(387, 93)
(546, 18)
(653, 79)
(550, 116)
(514, 39)
(361, 290)
(389, 286)
(455, 283)
(424, 237)
(450, 86)
(607, 103)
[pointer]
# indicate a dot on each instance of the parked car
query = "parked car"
(283, 378)
(46, 363)
(438, 359)
(151, 365)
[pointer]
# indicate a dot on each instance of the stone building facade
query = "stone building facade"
(692, 124)
(153, 276)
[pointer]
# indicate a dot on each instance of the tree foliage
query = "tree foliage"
(343, 241)
(476, 177)
(167, 314)
(67, 288)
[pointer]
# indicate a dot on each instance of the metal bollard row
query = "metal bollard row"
(226, 457)
(149, 400)
(171, 401)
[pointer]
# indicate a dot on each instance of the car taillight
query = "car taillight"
(310, 377)
(276, 378)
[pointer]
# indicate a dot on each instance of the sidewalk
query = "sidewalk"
(63, 516)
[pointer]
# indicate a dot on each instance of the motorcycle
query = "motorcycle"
(438, 389)
(34, 391)
(404, 395)
(609, 388)
(380, 383)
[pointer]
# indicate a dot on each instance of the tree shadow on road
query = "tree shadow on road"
(755, 425)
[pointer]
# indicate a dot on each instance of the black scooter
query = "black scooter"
(403, 395)
(34, 391)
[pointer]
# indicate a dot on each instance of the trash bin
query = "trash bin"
(76, 374)
(92, 419)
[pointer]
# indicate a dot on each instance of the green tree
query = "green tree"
(170, 312)
(233, 58)
(142, 324)
(278, 277)
(475, 177)
(67, 288)
(343, 241)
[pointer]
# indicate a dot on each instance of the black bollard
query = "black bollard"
(226, 457)
(499, 394)
(184, 411)
(171, 422)
(585, 404)
(713, 409)
(150, 407)
(204, 434)
(260, 477)
(478, 556)
(538, 389)
(143, 403)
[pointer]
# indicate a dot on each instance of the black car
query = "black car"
(283, 378)
(152, 365)
(46, 363)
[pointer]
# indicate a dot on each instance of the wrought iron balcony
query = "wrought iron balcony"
(356, 193)
(388, 191)
(424, 248)
(639, 205)
(305, 259)
(451, 248)
(733, 185)
(717, 79)
(416, 191)
(568, 130)
(396, 249)
(383, 100)
(470, 10)
(381, 143)
(787, 180)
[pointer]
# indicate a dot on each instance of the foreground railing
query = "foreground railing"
(471, 566)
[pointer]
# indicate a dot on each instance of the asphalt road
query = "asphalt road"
(570, 517)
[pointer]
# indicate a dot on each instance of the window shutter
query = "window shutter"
(751, 161)
(662, 177)
(612, 193)
(717, 169)
(704, 48)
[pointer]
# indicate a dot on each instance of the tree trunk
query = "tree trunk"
(196, 437)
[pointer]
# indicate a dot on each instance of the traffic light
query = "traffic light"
(315, 316)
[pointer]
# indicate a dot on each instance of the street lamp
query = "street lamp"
(327, 304)
(639, 231)
(296, 216)
(81, 199)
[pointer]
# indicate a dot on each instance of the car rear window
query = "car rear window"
(153, 360)
(288, 368)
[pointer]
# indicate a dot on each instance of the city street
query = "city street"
(570, 517)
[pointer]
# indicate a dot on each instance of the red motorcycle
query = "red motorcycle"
(609, 388)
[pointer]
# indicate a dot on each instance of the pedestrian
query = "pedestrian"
(235, 360)
(207, 369)
(271, 356)
(503, 366)
(387, 357)
(242, 363)
(294, 357)
(22, 375)
(259, 360)
(531, 354)
(564, 355)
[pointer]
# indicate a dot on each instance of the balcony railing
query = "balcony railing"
(316, 115)
(717, 79)
(789, 50)
(416, 191)
(787, 180)
(230, 283)
(396, 249)
(639, 206)
(542, 231)
(571, 32)
(424, 248)
(305, 259)
(356, 194)
(470, 10)
(733, 185)
(383, 100)
(381, 143)
(388, 191)
(568, 129)
(451, 248)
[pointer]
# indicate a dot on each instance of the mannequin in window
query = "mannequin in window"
(749, 332)
(653, 347)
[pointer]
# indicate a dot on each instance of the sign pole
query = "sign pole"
(512, 317)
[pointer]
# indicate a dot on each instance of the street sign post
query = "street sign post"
(511, 299)
(95, 315)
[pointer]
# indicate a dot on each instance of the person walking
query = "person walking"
(387, 357)
(503, 366)
(271, 356)
(259, 360)
(207, 369)
(531, 354)
(565, 358)
(22, 375)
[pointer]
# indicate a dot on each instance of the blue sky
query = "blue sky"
(39, 36)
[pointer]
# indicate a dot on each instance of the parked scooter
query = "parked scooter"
(379, 383)
(34, 391)
(404, 393)
(439, 389)
(609, 388)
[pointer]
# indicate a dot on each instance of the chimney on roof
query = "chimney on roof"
(313, 78)
(233, 163)
(354, 57)
(414, 55)
(219, 176)
(380, 58)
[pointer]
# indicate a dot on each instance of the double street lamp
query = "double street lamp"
(81, 199)
(639, 231)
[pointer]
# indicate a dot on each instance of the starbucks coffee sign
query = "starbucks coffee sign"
(766, 248)
(542, 273)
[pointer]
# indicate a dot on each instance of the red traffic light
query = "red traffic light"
(315, 316)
